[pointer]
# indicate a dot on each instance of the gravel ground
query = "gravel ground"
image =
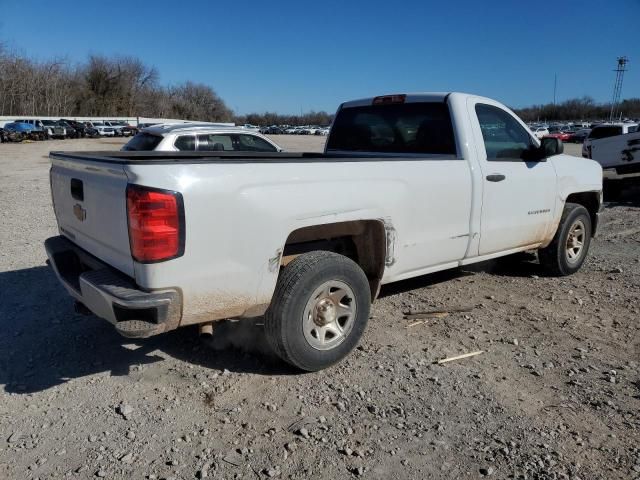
(555, 395)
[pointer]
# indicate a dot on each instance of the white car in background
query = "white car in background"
(102, 128)
(249, 126)
(540, 132)
(180, 137)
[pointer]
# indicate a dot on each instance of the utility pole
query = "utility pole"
(617, 87)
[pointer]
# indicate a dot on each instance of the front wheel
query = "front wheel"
(568, 250)
(319, 310)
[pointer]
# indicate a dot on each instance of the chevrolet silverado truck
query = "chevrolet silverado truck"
(408, 184)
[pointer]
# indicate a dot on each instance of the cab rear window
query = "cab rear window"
(142, 142)
(605, 132)
(417, 127)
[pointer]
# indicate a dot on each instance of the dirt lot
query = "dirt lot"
(555, 395)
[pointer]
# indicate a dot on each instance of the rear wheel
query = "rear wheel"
(568, 249)
(319, 310)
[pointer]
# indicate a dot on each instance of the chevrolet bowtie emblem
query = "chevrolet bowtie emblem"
(79, 212)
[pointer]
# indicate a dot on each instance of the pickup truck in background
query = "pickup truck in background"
(619, 156)
(408, 185)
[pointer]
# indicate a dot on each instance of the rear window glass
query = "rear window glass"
(215, 143)
(186, 143)
(253, 143)
(423, 127)
(142, 142)
(604, 132)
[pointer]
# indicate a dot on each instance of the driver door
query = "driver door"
(518, 196)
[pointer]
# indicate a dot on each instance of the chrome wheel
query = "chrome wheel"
(329, 315)
(575, 241)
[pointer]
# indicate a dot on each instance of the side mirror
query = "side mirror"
(551, 146)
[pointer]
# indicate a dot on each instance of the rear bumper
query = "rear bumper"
(622, 173)
(111, 295)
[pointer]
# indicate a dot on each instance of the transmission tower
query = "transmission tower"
(617, 88)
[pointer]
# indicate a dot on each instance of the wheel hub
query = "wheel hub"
(324, 312)
(575, 241)
(329, 315)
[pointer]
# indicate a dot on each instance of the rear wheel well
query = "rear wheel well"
(589, 200)
(363, 241)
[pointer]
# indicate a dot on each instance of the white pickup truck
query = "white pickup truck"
(616, 148)
(407, 185)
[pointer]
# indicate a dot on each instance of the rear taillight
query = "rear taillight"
(156, 224)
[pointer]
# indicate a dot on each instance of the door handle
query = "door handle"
(496, 177)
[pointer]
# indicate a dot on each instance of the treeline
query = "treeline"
(585, 108)
(270, 118)
(102, 87)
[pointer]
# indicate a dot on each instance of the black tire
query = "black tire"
(555, 257)
(297, 284)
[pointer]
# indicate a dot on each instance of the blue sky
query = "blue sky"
(293, 56)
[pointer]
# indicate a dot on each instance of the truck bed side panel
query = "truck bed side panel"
(239, 215)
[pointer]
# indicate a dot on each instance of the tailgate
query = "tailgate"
(90, 203)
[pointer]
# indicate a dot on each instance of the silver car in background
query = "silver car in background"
(180, 137)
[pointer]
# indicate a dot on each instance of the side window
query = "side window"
(254, 144)
(215, 143)
(185, 143)
(504, 138)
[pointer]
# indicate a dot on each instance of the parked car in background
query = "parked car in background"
(606, 130)
(203, 137)
(102, 129)
(560, 135)
(579, 135)
(128, 130)
(619, 156)
(71, 131)
(272, 130)
(539, 132)
(117, 128)
(79, 127)
(53, 129)
(324, 131)
(37, 132)
(249, 126)
(18, 131)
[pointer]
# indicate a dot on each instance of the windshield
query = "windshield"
(420, 127)
(142, 142)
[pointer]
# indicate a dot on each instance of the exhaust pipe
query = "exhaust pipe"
(206, 330)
